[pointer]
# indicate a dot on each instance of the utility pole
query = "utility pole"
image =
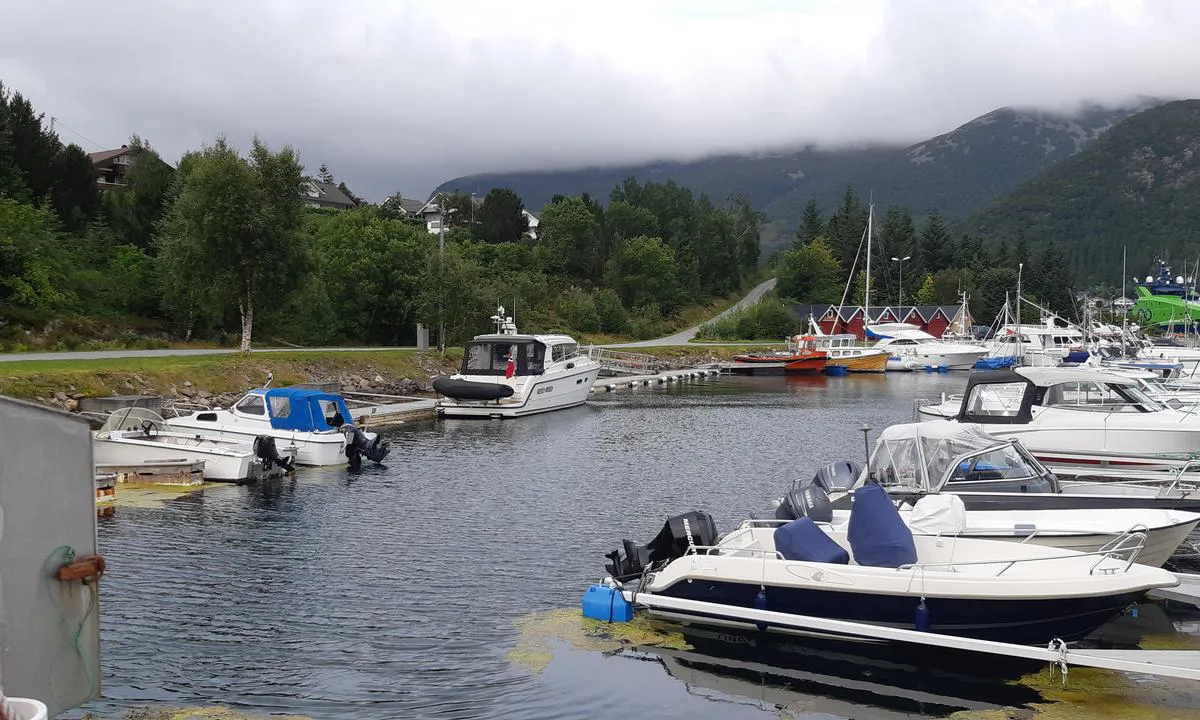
(441, 346)
(900, 295)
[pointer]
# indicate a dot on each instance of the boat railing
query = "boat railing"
(1166, 486)
(1119, 548)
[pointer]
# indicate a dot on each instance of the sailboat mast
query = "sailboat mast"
(1124, 310)
(870, 222)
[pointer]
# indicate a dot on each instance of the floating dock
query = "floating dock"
(609, 384)
(376, 409)
(168, 472)
(1183, 664)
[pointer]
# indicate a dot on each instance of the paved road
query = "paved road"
(115, 354)
(684, 337)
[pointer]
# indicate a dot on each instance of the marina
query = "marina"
(464, 615)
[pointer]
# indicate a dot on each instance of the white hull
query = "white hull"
(538, 394)
(312, 449)
(231, 463)
(920, 360)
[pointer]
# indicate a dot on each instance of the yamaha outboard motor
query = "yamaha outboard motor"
(265, 450)
(809, 501)
(837, 477)
(359, 445)
(670, 543)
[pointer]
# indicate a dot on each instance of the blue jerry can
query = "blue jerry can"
(606, 604)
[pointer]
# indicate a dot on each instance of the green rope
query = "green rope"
(60, 556)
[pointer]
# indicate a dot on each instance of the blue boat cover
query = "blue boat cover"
(803, 540)
(1077, 356)
(306, 409)
(872, 335)
(877, 533)
(995, 363)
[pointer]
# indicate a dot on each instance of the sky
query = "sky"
(399, 96)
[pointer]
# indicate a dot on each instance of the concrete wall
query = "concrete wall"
(48, 497)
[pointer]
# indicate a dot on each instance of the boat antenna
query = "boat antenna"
(1124, 310)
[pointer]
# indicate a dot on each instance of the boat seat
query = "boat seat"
(803, 540)
(877, 534)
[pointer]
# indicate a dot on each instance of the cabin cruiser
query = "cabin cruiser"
(1073, 415)
(875, 571)
(317, 426)
(912, 460)
(1045, 345)
(911, 348)
(843, 350)
(507, 374)
(139, 436)
(957, 480)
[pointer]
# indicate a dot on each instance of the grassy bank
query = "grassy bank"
(215, 374)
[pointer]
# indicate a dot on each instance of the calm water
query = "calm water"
(394, 592)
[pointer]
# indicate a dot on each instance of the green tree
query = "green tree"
(134, 212)
(28, 276)
(844, 233)
(809, 274)
(501, 217)
(237, 219)
(1051, 281)
(927, 294)
(643, 273)
(937, 249)
(747, 233)
(324, 175)
(812, 226)
(74, 194)
(610, 309)
(350, 194)
(577, 309)
(571, 236)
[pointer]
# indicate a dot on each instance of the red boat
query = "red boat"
(800, 357)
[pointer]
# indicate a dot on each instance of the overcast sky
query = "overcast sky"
(400, 96)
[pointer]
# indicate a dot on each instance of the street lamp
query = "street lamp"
(441, 277)
(900, 295)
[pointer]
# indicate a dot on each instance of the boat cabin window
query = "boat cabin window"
(281, 407)
(1002, 463)
(252, 405)
(490, 357)
(558, 353)
(1099, 397)
(996, 399)
(332, 413)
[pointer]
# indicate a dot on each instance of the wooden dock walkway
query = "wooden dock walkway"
(609, 384)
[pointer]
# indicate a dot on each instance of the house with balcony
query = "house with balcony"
(112, 167)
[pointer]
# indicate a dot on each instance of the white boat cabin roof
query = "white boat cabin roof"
(1047, 376)
(546, 340)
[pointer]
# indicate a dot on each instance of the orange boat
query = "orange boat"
(800, 357)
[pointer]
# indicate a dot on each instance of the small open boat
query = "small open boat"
(876, 571)
(801, 356)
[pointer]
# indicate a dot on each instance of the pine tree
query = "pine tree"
(811, 224)
(937, 252)
(324, 175)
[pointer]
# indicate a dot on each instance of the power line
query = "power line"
(55, 123)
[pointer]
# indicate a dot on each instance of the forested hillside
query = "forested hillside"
(1138, 186)
(223, 246)
(951, 174)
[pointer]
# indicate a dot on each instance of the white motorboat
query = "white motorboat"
(506, 374)
(876, 571)
(138, 436)
(911, 348)
(1044, 345)
(315, 425)
(1073, 415)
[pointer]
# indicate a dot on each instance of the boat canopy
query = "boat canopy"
(926, 456)
(303, 409)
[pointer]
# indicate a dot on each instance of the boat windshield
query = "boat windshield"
(999, 463)
(490, 357)
(134, 418)
(918, 457)
(1099, 397)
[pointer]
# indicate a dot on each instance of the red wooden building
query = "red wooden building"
(933, 319)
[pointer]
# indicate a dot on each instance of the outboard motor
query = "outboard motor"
(837, 477)
(809, 501)
(265, 450)
(359, 445)
(670, 543)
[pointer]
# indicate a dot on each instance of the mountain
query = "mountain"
(954, 174)
(1137, 186)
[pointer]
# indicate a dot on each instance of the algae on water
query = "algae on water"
(533, 651)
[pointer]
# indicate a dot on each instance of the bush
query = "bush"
(610, 309)
(577, 310)
(770, 319)
(647, 323)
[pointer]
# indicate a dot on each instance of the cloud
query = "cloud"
(403, 95)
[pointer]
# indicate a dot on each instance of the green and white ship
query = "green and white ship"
(1170, 303)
